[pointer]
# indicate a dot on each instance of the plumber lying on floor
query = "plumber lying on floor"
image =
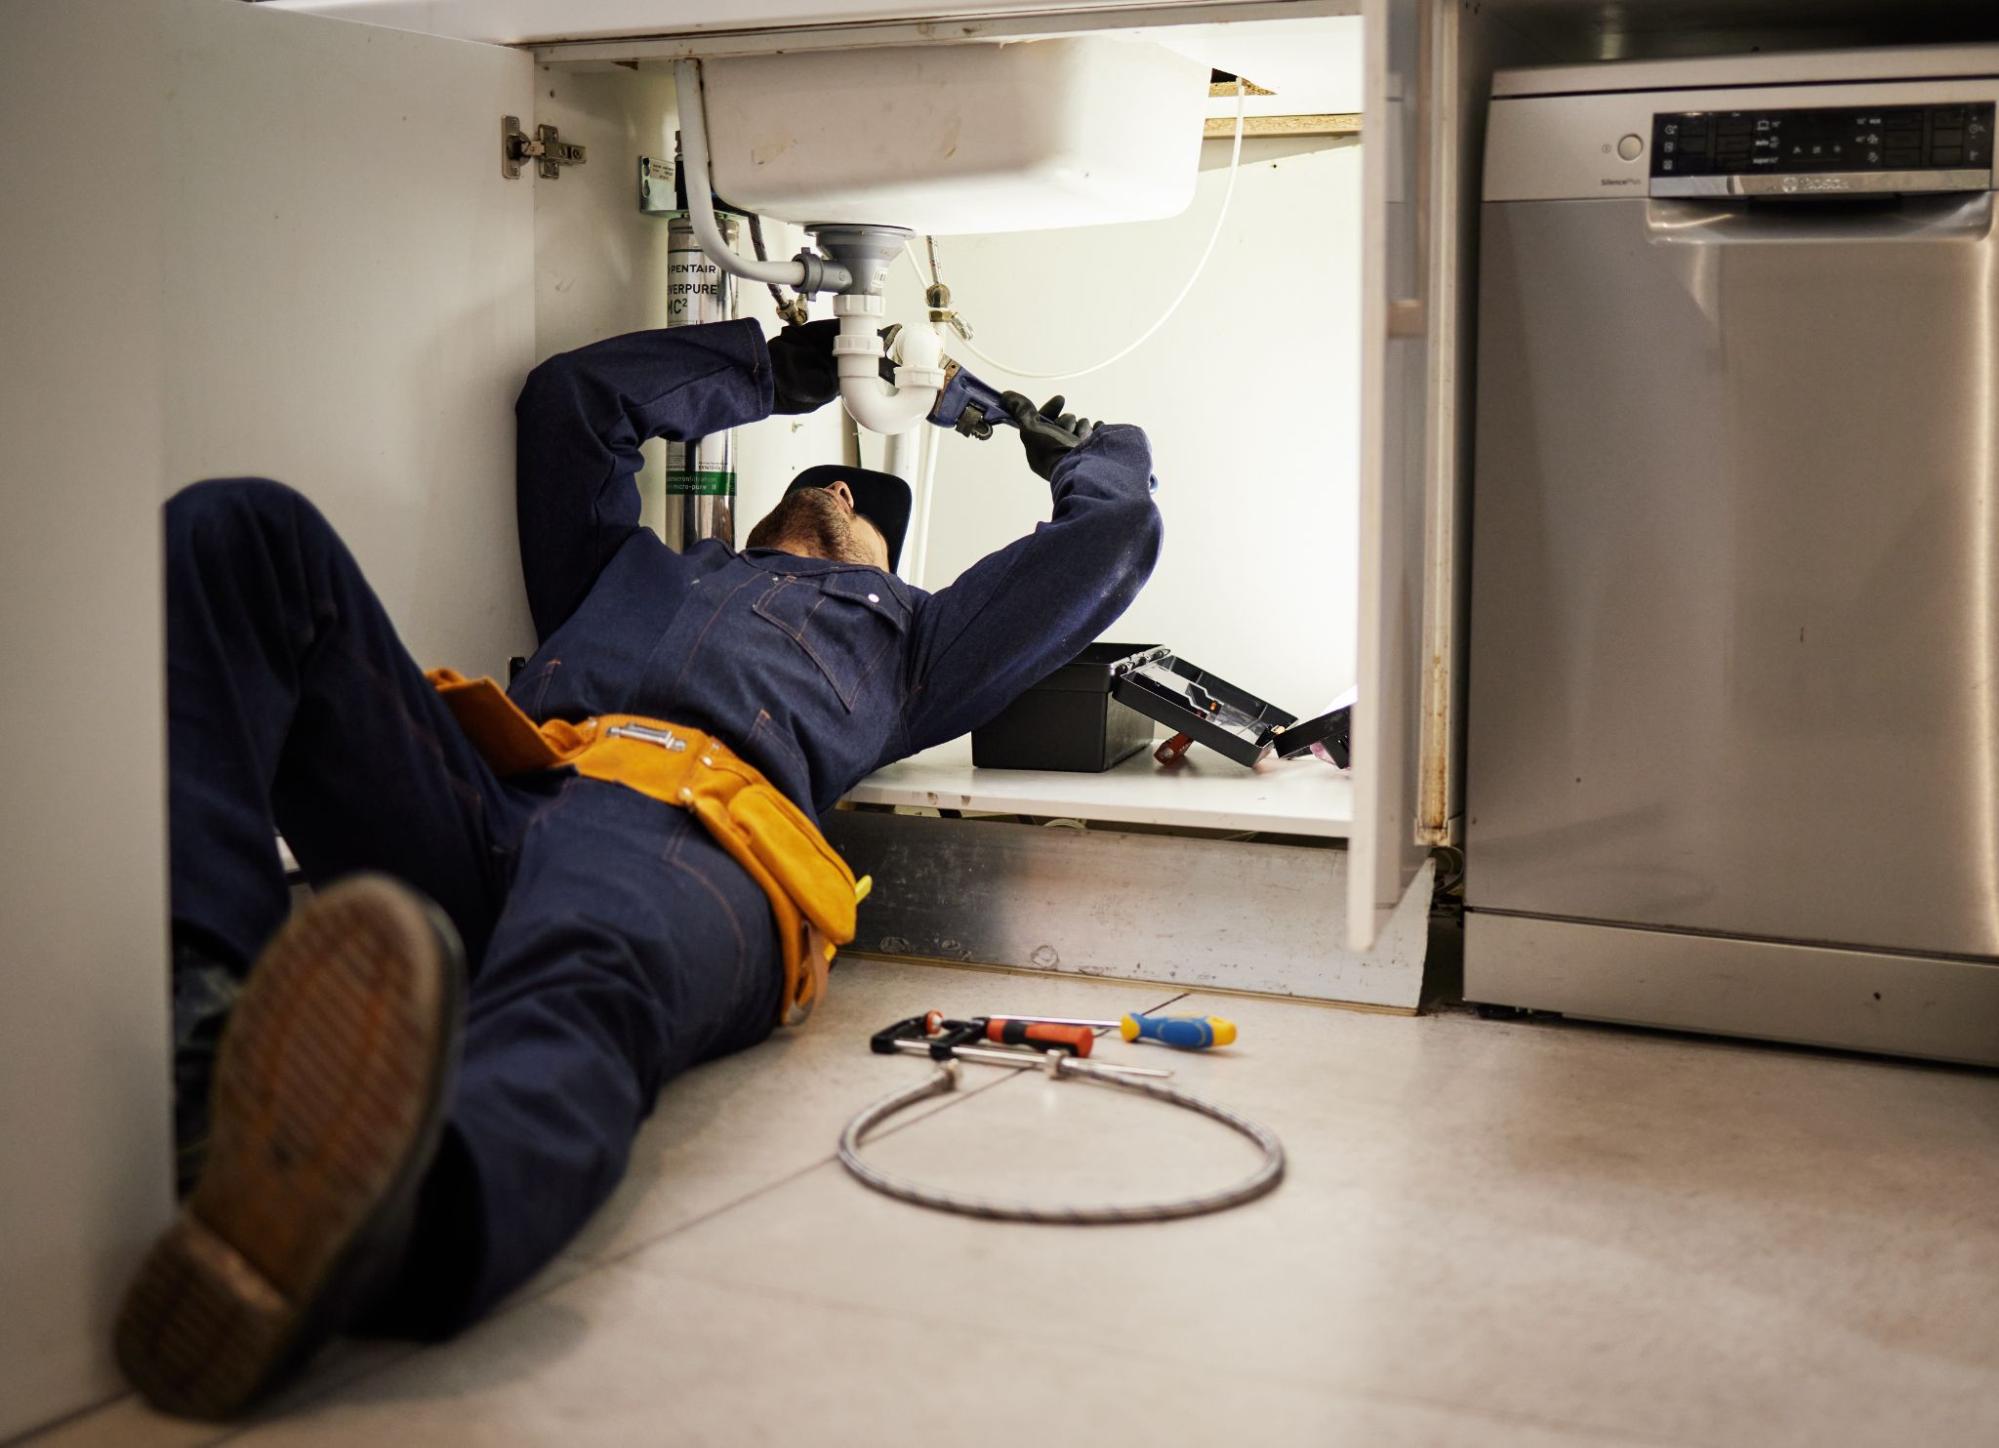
(571, 892)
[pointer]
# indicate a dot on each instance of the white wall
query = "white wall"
(85, 1157)
(1250, 394)
(600, 266)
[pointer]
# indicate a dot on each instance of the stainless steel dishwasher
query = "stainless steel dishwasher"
(1733, 728)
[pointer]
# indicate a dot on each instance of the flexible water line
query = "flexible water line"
(945, 1078)
(1214, 235)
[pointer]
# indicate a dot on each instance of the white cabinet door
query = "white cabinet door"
(85, 1160)
(238, 242)
(1395, 353)
(352, 303)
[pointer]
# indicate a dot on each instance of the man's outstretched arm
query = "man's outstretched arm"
(1018, 614)
(582, 416)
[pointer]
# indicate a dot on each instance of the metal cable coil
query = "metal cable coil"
(945, 1078)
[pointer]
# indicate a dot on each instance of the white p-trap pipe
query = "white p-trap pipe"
(877, 405)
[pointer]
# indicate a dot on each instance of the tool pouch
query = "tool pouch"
(809, 869)
(504, 736)
(813, 894)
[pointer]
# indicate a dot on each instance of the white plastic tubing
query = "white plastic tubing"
(700, 203)
(872, 402)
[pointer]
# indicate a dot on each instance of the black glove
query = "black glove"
(1048, 432)
(804, 373)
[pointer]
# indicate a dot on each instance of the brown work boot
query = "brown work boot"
(329, 1098)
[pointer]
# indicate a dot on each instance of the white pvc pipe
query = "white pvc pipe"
(900, 454)
(877, 405)
(916, 559)
(700, 203)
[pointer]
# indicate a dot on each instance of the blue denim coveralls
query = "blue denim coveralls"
(611, 943)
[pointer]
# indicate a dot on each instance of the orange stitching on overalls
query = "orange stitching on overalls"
(729, 909)
(701, 638)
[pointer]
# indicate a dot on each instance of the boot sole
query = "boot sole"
(328, 1103)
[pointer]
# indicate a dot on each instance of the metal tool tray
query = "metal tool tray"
(1229, 720)
(1334, 730)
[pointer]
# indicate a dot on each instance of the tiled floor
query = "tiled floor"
(1490, 1234)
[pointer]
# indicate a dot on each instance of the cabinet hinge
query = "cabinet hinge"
(545, 148)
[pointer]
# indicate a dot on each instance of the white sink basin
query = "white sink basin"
(950, 139)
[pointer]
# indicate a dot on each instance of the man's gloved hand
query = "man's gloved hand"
(805, 375)
(1046, 432)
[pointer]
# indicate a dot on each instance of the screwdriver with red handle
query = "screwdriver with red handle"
(1042, 1035)
(1189, 1033)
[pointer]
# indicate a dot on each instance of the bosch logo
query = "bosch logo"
(1816, 183)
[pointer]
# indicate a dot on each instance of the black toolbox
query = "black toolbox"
(1072, 720)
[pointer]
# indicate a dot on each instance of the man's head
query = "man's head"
(845, 515)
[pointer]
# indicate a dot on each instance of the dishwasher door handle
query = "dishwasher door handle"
(1736, 220)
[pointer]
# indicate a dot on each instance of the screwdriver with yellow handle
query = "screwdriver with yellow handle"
(1189, 1033)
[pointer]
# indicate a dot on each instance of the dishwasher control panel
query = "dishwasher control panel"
(1824, 143)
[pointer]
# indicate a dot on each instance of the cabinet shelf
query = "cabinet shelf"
(1204, 791)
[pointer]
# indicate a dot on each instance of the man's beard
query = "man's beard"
(810, 521)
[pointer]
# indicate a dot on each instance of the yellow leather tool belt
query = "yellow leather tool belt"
(811, 891)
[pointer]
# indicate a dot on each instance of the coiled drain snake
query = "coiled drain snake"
(945, 1078)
